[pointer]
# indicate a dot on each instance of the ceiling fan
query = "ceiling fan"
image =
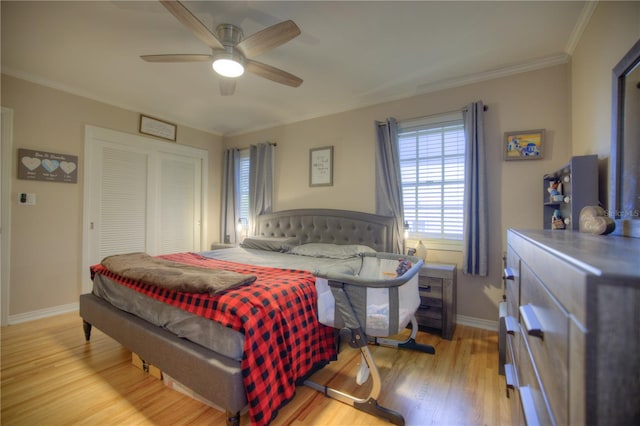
(231, 52)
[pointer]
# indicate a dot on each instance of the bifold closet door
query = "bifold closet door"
(117, 200)
(141, 195)
(179, 204)
(122, 209)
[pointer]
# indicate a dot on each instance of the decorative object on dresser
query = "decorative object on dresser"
(437, 283)
(572, 324)
(567, 190)
(594, 220)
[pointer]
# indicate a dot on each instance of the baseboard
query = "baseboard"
(477, 322)
(43, 313)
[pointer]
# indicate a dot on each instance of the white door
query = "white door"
(141, 195)
(6, 148)
(120, 201)
(179, 204)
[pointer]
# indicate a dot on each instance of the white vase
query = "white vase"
(421, 251)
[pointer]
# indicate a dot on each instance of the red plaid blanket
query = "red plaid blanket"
(277, 315)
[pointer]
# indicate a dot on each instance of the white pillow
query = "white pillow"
(332, 251)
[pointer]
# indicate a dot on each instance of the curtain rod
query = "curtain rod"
(484, 108)
(247, 147)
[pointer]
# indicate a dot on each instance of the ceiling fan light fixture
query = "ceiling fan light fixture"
(228, 65)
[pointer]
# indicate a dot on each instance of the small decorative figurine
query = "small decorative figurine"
(555, 191)
(556, 220)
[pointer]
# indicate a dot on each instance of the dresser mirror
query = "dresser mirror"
(624, 193)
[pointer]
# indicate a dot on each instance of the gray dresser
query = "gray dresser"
(573, 328)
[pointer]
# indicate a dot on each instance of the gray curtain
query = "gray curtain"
(388, 184)
(476, 225)
(260, 182)
(229, 214)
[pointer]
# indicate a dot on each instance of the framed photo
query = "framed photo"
(524, 145)
(154, 127)
(321, 166)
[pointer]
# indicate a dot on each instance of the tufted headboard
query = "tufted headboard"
(329, 226)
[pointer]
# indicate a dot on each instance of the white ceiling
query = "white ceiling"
(350, 54)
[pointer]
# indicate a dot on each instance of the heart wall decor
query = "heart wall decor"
(30, 163)
(50, 165)
(594, 220)
(47, 166)
(67, 167)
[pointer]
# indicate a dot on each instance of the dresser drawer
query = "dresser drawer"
(511, 378)
(429, 317)
(545, 328)
(430, 287)
(513, 349)
(512, 382)
(512, 283)
(534, 404)
(429, 312)
(430, 302)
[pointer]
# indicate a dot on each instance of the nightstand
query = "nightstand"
(437, 286)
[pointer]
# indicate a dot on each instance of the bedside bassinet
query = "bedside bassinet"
(378, 302)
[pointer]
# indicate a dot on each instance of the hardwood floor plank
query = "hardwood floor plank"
(50, 376)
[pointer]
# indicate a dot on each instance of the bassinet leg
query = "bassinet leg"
(372, 407)
(369, 404)
(410, 343)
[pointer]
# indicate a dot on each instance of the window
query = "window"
(432, 157)
(243, 186)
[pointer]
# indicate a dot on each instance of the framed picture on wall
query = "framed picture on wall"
(321, 166)
(158, 128)
(524, 145)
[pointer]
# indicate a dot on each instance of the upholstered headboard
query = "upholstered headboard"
(329, 226)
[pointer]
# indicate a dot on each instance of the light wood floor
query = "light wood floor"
(50, 376)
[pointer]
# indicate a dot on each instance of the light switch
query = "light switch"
(27, 199)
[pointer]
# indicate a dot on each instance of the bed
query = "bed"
(197, 352)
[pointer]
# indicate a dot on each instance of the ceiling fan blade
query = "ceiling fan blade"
(273, 73)
(177, 58)
(187, 18)
(227, 86)
(268, 38)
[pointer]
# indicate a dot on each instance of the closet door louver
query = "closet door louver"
(178, 204)
(122, 226)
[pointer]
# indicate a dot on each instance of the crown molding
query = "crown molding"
(548, 61)
(581, 24)
(33, 78)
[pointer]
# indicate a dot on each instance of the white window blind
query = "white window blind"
(432, 156)
(243, 186)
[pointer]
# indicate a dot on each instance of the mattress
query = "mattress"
(207, 333)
